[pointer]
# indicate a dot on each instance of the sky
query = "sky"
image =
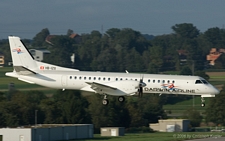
(26, 18)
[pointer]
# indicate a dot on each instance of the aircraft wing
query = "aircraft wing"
(96, 86)
(116, 88)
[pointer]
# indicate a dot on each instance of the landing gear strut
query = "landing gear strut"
(105, 101)
(203, 102)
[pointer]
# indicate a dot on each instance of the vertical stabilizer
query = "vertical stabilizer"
(21, 57)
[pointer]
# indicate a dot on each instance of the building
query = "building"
(38, 54)
(112, 131)
(76, 37)
(47, 132)
(171, 125)
(213, 55)
(182, 56)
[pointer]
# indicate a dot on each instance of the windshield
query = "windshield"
(204, 81)
(198, 82)
(201, 82)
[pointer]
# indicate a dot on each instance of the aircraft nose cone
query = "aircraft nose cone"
(217, 91)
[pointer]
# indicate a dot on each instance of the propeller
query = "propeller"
(141, 85)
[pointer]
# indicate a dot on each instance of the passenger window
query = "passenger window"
(148, 80)
(108, 79)
(99, 78)
(173, 81)
(89, 78)
(80, 77)
(94, 78)
(163, 81)
(84, 78)
(121, 78)
(70, 77)
(153, 81)
(168, 81)
(75, 77)
(116, 79)
(158, 81)
(104, 78)
(135, 79)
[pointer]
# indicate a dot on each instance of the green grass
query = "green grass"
(179, 108)
(158, 136)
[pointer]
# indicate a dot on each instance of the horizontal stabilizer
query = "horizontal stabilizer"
(23, 70)
(26, 80)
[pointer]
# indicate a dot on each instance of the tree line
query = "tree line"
(18, 108)
(118, 50)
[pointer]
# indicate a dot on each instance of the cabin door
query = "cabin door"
(64, 80)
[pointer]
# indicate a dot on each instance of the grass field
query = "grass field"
(158, 136)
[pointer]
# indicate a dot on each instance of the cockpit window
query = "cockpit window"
(198, 82)
(204, 81)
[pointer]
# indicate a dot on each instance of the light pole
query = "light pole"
(36, 118)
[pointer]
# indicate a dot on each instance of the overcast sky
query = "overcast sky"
(25, 18)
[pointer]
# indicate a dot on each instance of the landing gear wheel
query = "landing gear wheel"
(105, 102)
(203, 104)
(121, 98)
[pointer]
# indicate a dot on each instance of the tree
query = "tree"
(194, 116)
(215, 37)
(186, 30)
(135, 113)
(69, 32)
(156, 59)
(151, 107)
(114, 114)
(51, 111)
(61, 51)
(185, 71)
(72, 106)
(215, 111)
(39, 39)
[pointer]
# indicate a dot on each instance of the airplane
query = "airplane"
(105, 83)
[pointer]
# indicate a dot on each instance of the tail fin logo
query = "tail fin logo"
(18, 50)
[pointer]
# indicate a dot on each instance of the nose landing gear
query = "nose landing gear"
(203, 102)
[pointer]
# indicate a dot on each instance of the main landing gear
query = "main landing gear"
(105, 101)
(203, 102)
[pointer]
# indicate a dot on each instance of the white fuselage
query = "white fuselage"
(117, 84)
(162, 84)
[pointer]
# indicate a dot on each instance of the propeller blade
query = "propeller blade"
(141, 91)
(141, 85)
